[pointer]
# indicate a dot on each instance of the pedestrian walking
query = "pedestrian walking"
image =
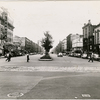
(7, 57)
(91, 57)
(10, 56)
(28, 58)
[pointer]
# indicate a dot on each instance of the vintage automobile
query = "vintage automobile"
(64, 54)
(84, 56)
(71, 54)
(96, 57)
(77, 53)
(60, 54)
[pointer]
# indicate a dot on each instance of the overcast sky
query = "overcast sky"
(60, 18)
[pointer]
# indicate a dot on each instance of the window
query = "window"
(89, 28)
(97, 37)
(89, 34)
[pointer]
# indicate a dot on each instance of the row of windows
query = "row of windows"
(87, 31)
(6, 25)
(97, 38)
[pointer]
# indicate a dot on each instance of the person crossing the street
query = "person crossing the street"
(28, 58)
(91, 57)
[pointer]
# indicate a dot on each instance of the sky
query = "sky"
(60, 18)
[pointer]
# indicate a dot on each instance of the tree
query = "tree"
(47, 42)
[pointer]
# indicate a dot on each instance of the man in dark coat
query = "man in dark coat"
(10, 56)
(7, 57)
(91, 57)
(28, 58)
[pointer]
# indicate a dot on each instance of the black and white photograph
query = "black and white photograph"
(49, 49)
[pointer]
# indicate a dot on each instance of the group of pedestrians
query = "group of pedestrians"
(8, 57)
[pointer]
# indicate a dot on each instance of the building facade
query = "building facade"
(77, 43)
(64, 45)
(26, 44)
(88, 38)
(97, 39)
(6, 29)
(17, 40)
(29, 46)
(70, 38)
(69, 43)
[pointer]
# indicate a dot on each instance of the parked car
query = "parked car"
(71, 54)
(64, 54)
(84, 56)
(60, 54)
(31, 53)
(96, 57)
(77, 53)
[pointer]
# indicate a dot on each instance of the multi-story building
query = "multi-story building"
(29, 46)
(74, 36)
(40, 48)
(64, 45)
(77, 43)
(17, 42)
(97, 39)
(69, 43)
(59, 47)
(88, 38)
(6, 28)
(70, 38)
(26, 44)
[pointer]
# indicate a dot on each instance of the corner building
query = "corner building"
(88, 38)
(97, 39)
(6, 29)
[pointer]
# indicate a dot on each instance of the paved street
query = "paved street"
(61, 63)
(48, 80)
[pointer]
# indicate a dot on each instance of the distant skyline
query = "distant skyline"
(60, 18)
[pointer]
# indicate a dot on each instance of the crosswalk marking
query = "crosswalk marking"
(86, 95)
(49, 68)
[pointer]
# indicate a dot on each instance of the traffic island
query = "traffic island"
(45, 58)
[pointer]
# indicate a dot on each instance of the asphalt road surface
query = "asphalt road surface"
(57, 61)
(45, 84)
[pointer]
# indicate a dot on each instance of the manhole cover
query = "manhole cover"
(15, 94)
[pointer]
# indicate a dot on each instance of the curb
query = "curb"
(45, 59)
